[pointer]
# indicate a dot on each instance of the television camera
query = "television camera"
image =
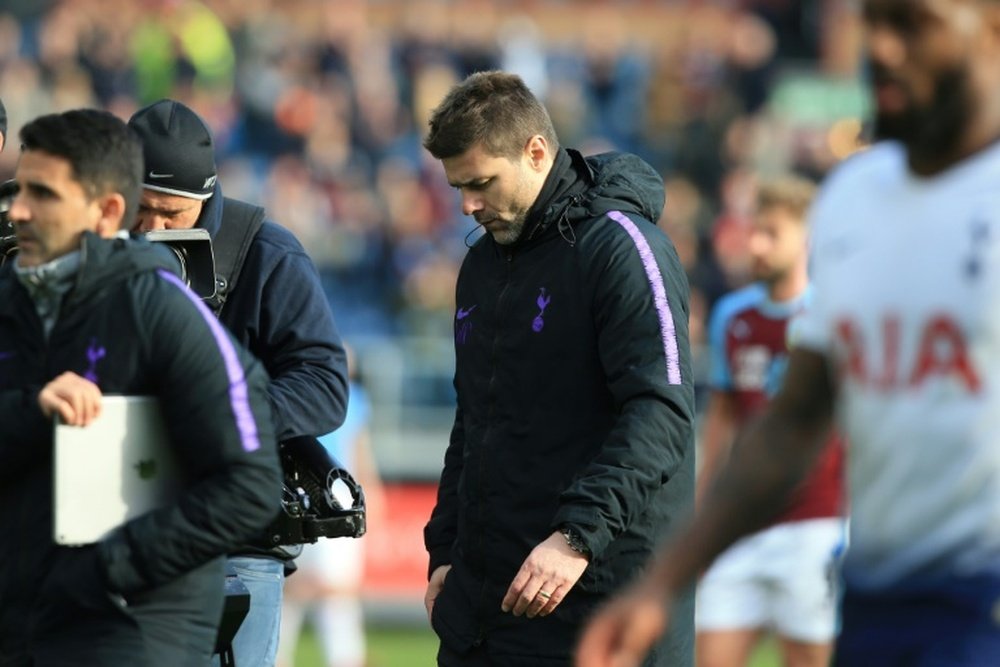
(320, 497)
(193, 250)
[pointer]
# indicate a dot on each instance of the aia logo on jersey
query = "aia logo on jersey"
(942, 352)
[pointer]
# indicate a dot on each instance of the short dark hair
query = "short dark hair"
(104, 154)
(495, 109)
(791, 192)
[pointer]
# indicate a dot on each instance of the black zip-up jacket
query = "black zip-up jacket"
(129, 323)
(575, 409)
(279, 312)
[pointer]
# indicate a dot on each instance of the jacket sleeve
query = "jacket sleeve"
(213, 398)
(22, 427)
(640, 302)
(442, 529)
(298, 343)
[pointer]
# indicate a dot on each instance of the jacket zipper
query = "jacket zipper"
(509, 259)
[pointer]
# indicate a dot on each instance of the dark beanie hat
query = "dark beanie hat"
(178, 150)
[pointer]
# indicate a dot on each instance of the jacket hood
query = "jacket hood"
(583, 188)
(107, 261)
(624, 182)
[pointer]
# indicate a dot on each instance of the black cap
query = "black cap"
(178, 150)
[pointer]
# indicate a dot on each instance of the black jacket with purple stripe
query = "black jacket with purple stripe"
(132, 327)
(575, 409)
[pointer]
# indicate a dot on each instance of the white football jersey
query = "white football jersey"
(906, 304)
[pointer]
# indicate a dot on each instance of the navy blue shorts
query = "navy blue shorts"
(953, 624)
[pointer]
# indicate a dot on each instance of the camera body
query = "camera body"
(193, 250)
(310, 507)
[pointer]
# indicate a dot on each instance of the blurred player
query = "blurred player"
(902, 343)
(779, 578)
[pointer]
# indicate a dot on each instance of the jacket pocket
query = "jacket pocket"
(453, 619)
(75, 589)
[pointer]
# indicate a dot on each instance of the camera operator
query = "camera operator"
(87, 313)
(276, 308)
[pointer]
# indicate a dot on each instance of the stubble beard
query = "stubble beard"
(511, 231)
(769, 277)
(934, 132)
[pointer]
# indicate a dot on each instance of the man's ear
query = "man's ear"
(537, 150)
(991, 17)
(111, 208)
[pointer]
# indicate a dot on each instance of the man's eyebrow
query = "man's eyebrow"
(163, 210)
(472, 181)
(39, 188)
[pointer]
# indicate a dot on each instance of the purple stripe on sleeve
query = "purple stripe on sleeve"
(655, 278)
(238, 393)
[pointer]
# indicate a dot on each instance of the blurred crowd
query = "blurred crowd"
(319, 108)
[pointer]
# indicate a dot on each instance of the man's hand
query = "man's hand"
(545, 577)
(75, 399)
(621, 634)
(434, 587)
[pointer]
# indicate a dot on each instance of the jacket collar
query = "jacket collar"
(569, 175)
(105, 261)
(211, 213)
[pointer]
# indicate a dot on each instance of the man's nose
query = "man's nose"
(18, 211)
(886, 47)
(471, 203)
(757, 244)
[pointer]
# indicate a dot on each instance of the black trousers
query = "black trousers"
(78, 622)
(475, 657)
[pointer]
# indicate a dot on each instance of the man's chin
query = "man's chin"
(27, 260)
(503, 237)
(502, 232)
(27, 253)
(766, 275)
(896, 127)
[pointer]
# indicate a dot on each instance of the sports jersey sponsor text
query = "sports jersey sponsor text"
(941, 352)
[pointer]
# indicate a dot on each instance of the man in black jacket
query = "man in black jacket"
(87, 312)
(276, 308)
(572, 449)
